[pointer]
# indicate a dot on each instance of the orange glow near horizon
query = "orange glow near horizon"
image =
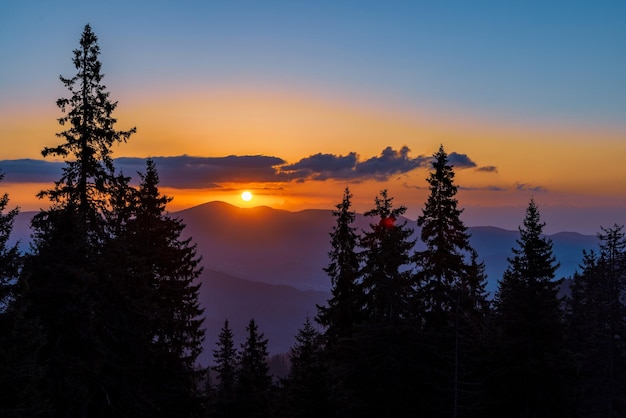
(576, 165)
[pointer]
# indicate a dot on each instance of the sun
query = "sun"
(246, 196)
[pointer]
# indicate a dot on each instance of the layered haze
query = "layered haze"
(267, 264)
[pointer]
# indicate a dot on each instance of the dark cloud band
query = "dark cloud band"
(188, 172)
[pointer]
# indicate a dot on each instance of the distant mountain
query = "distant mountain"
(279, 310)
(494, 247)
(262, 244)
(280, 247)
(266, 264)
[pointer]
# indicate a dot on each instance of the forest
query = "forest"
(101, 316)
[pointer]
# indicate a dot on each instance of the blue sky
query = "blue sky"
(534, 90)
(516, 59)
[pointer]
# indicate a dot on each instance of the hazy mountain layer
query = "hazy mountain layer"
(267, 264)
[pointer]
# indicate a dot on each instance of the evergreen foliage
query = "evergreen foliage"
(597, 327)
(370, 371)
(62, 273)
(10, 258)
(158, 277)
(109, 278)
(254, 384)
(444, 272)
(344, 308)
(532, 369)
(388, 288)
(306, 384)
(225, 357)
(20, 339)
(89, 171)
(451, 302)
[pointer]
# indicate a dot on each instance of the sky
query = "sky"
(296, 100)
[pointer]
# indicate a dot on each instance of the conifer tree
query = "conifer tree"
(307, 387)
(443, 267)
(387, 281)
(88, 139)
(597, 327)
(531, 365)
(451, 298)
(225, 357)
(379, 376)
(62, 273)
(254, 384)
(343, 308)
(159, 282)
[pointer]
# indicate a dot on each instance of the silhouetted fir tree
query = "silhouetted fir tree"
(226, 364)
(344, 307)
(451, 297)
(89, 171)
(62, 274)
(471, 330)
(387, 280)
(443, 267)
(531, 369)
(159, 279)
(343, 312)
(307, 386)
(20, 339)
(597, 328)
(379, 358)
(253, 389)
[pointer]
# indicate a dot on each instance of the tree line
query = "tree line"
(101, 317)
(413, 333)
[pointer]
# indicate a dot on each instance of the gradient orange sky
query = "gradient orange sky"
(341, 79)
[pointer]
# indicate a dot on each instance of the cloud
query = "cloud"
(389, 163)
(487, 188)
(524, 187)
(187, 172)
(183, 172)
(321, 167)
(487, 169)
(31, 171)
(460, 160)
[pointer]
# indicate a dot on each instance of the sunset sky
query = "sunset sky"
(295, 100)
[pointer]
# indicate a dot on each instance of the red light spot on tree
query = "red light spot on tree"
(387, 222)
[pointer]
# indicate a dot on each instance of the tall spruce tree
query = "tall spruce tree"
(444, 266)
(254, 384)
(158, 277)
(62, 273)
(225, 357)
(387, 280)
(531, 366)
(344, 307)
(451, 302)
(306, 386)
(379, 376)
(89, 171)
(597, 327)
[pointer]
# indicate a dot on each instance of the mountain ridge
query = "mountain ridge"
(267, 264)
